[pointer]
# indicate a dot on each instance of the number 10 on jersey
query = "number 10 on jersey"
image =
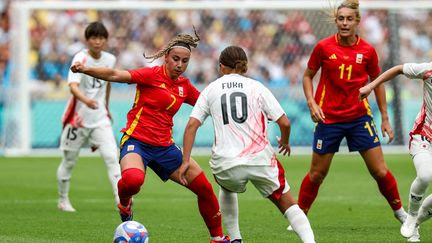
(238, 117)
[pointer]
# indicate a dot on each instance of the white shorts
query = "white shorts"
(419, 144)
(73, 138)
(268, 180)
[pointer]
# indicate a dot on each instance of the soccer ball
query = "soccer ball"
(131, 232)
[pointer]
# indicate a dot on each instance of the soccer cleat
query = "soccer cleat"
(226, 239)
(125, 212)
(400, 215)
(65, 206)
(409, 226)
(237, 241)
(289, 228)
(415, 237)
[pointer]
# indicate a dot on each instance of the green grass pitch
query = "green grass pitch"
(349, 207)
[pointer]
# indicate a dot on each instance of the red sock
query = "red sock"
(308, 193)
(208, 204)
(129, 184)
(388, 188)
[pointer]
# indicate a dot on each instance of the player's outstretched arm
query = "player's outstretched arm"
(104, 73)
(316, 112)
(384, 77)
(188, 141)
(285, 129)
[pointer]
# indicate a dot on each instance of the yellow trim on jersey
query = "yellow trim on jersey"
(174, 101)
(137, 94)
(322, 96)
(134, 123)
(123, 140)
(367, 106)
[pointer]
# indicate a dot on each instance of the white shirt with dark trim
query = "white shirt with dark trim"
(423, 71)
(240, 108)
(92, 88)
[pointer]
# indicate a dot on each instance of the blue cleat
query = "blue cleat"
(237, 241)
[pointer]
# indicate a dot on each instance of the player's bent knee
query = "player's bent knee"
(425, 176)
(317, 176)
(133, 178)
(379, 174)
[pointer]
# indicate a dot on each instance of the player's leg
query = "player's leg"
(132, 175)
(64, 172)
(70, 143)
(229, 209)
(418, 188)
(271, 183)
(103, 138)
(420, 149)
(231, 182)
(327, 138)
(387, 184)
(208, 204)
(425, 211)
(312, 181)
(363, 137)
(295, 216)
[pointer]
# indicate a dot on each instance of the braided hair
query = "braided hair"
(182, 40)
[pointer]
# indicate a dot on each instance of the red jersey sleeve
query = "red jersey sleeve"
(314, 62)
(193, 95)
(141, 75)
(373, 68)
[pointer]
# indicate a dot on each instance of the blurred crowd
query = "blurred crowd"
(278, 42)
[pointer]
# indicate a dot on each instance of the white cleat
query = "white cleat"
(415, 237)
(408, 227)
(65, 206)
(400, 215)
(289, 228)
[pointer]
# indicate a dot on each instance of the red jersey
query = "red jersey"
(344, 69)
(157, 100)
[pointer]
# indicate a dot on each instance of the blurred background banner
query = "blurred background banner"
(39, 38)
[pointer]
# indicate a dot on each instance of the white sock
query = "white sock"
(421, 182)
(109, 154)
(229, 209)
(64, 172)
(414, 202)
(300, 223)
(425, 211)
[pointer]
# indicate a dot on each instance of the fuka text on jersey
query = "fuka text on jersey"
(230, 85)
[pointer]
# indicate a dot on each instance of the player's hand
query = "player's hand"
(92, 104)
(364, 92)
(182, 170)
(316, 112)
(283, 148)
(77, 67)
(386, 129)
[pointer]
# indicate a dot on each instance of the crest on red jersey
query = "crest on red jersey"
(359, 58)
(180, 88)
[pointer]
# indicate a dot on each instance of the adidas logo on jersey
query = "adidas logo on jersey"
(162, 86)
(333, 57)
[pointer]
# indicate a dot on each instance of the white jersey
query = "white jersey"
(76, 112)
(240, 108)
(423, 122)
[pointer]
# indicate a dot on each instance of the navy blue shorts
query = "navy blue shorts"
(162, 160)
(361, 135)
